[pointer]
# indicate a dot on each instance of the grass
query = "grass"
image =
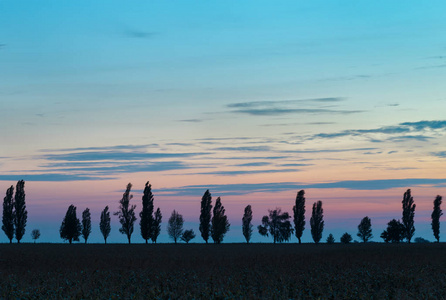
(226, 271)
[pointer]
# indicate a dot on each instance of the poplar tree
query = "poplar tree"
(299, 214)
(408, 215)
(104, 224)
(156, 228)
(246, 223)
(126, 213)
(20, 213)
(220, 225)
(71, 226)
(146, 214)
(86, 224)
(175, 226)
(436, 214)
(365, 229)
(317, 222)
(205, 215)
(8, 214)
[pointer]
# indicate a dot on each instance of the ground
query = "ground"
(226, 271)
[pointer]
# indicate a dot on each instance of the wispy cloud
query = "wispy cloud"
(98, 169)
(116, 156)
(279, 102)
(191, 120)
(283, 111)
(253, 164)
(441, 154)
(103, 148)
(245, 172)
(245, 148)
(327, 150)
(139, 34)
(404, 131)
(281, 107)
(51, 177)
(249, 188)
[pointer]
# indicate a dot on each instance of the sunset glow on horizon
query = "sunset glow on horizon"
(253, 101)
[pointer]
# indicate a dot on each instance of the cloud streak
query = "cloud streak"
(249, 188)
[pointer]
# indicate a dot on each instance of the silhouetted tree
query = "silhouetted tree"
(277, 224)
(156, 228)
(317, 222)
(126, 213)
(104, 224)
(71, 226)
(188, 235)
(146, 214)
(394, 233)
(20, 213)
(205, 216)
(86, 224)
(8, 214)
(408, 216)
(175, 226)
(299, 214)
(365, 229)
(246, 223)
(220, 224)
(436, 214)
(35, 234)
(420, 240)
(346, 238)
(330, 239)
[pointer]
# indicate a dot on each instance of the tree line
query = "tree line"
(213, 220)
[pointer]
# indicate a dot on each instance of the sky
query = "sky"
(253, 100)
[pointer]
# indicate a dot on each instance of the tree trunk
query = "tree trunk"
(299, 240)
(70, 241)
(128, 238)
(146, 241)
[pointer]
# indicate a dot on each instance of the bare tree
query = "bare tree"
(175, 226)
(35, 234)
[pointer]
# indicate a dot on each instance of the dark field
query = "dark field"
(226, 271)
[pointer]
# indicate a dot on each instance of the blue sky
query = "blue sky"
(347, 95)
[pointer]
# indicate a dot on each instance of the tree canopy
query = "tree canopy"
(71, 226)
(277, 224)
